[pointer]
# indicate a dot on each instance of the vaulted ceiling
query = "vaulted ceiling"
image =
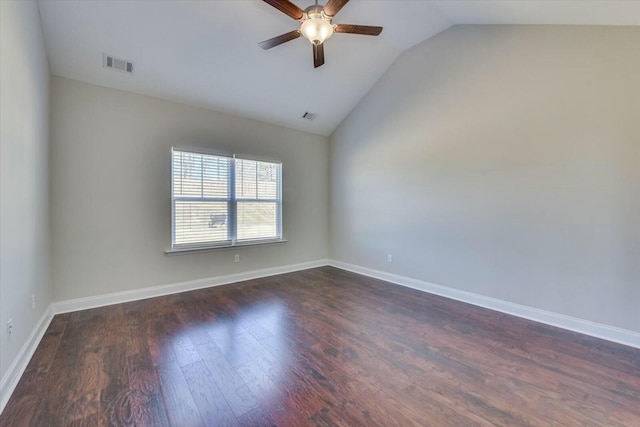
(206, 53)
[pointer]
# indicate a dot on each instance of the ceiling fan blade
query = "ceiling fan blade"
(286, 7)
(282, 38)
(318, 55)
(333, 6)
(365, 30)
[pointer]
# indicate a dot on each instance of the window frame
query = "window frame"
(232, 206)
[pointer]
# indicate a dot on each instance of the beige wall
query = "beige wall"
(504, 161)
(111, 201)
(24, 188)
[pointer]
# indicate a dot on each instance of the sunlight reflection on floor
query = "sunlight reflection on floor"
(250, 346)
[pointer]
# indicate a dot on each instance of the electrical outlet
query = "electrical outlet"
(236, 258)
(10, 327)
(33, 301)
(389, 258)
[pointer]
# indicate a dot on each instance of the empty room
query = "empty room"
(319, 213)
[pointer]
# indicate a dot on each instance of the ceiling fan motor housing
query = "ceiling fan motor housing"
(316, 25)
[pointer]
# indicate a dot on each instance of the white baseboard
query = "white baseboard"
(16, 369)
(598, 330)
(156, 291)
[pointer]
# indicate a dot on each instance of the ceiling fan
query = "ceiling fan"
(315, 25)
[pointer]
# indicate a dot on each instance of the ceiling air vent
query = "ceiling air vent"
(309, 116)
(114, 63)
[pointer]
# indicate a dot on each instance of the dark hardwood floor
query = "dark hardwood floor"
(319, 347)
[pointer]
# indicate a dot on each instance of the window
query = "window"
(224, 201)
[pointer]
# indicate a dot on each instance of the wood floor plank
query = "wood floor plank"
(90, 420)
(72, 383)
(82, 400)
(115, 403)
(46, 351)
(117, 329)
(211, 403)
(147, 407)
(320, 347)
(256, 418)
(238, 396)
(274, 399)
(20, 412)
(177, 398)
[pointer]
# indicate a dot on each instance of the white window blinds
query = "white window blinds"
(220, 200)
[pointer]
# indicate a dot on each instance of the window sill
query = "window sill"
(188, 250)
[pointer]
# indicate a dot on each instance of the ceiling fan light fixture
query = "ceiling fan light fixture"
(317, 27)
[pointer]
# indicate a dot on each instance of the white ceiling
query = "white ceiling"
(205, 53)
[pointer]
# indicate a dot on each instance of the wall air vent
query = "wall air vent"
(309, 116)
(114, 63)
